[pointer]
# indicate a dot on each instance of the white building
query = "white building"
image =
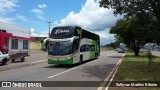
(14, 38)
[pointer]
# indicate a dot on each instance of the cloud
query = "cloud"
(55, 22)
(92, 17)
(34, 34)
(7, 6)
(42, 6)
(21, 17)
(7, 20)
(39, 13)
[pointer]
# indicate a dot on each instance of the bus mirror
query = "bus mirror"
(77, 37)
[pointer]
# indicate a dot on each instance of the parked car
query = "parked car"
(4, 58)
(121, 50)
(158, 48)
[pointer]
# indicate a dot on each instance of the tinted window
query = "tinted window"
(60, 48)
(85, 48)
(62, 32)
(14, 44)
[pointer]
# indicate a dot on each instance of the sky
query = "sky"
(33, 15)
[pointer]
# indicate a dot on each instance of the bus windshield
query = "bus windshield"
(60, 48)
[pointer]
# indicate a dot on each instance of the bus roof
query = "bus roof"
(85, 33)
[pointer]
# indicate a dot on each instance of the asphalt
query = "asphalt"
(156, 53)
(36, 56)
(88, 72)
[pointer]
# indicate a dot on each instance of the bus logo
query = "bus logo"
(61, 31)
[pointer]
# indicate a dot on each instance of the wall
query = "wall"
(20, 45)
(35, 45)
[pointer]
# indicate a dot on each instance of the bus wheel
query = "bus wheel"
(96, 55)
(81, 59)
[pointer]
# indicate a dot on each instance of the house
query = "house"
(14, 38)
(37, 40)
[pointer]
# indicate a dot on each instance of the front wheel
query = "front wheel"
(81, 59)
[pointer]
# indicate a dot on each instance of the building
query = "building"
(37, 40)
(14, 38)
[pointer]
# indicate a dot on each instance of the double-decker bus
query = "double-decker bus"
(72, 44)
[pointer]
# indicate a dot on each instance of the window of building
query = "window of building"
(25, 44)
(14, 44)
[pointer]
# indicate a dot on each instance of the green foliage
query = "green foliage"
(134, 32)
(113, 45)
(133, 8)
(146, 12)
(136, 69)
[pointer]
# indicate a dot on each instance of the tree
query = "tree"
(134, 32)
(141, 23)
(131, 8)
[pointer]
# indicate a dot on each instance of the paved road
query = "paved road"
(95, 70)
(36, 56)
(156, 53)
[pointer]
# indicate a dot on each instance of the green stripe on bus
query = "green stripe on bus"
(92, 53)
(67, 61)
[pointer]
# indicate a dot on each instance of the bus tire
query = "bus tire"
(96, 55)
(80, 59)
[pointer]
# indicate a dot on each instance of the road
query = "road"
(36, 56)
(95, 70)
(156, 53)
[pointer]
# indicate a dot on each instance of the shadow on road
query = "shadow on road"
(67, 66)
(115, 57)
(98, 71)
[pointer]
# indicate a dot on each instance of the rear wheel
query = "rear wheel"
(22, 59)
(13, 60)
(96, 55)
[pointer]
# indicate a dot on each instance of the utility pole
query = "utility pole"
(49, 22)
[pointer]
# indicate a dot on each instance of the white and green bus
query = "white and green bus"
(72, 44)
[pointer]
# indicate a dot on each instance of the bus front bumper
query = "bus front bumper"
(60, 61)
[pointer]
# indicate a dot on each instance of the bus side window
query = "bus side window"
(75, 45)
(82, 48)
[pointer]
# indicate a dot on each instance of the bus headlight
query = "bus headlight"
(68, 57)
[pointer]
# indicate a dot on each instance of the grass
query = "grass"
(135, 68)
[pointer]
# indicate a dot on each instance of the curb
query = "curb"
(105, 84)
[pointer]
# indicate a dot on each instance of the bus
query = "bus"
(72, 44)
